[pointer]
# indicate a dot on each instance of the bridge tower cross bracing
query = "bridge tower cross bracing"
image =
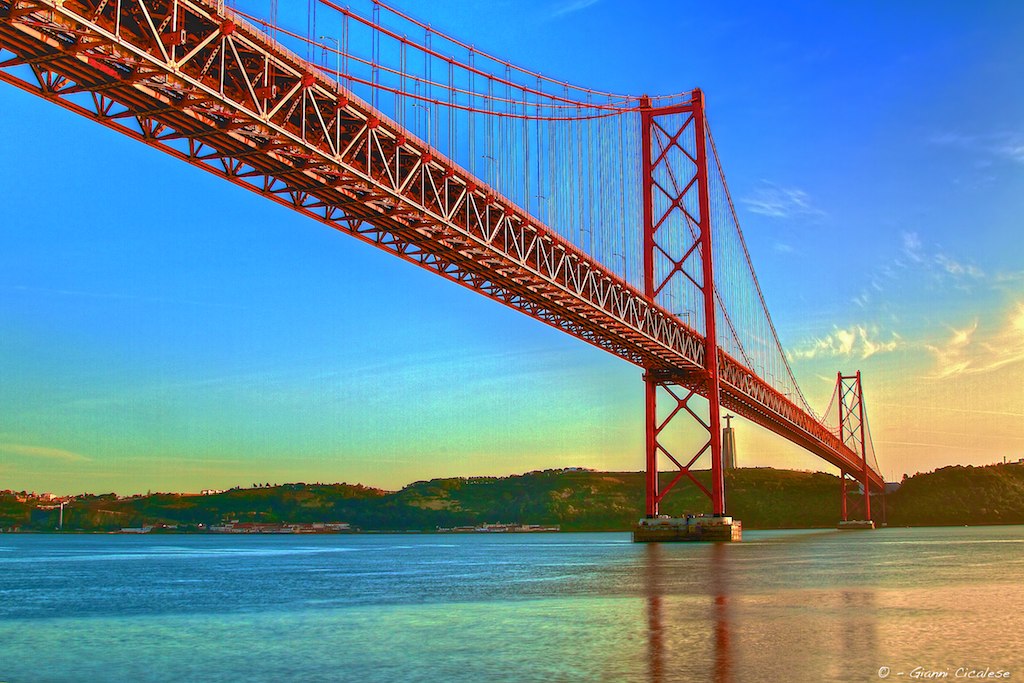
(853, 433)
(675, 184)
(203, 84)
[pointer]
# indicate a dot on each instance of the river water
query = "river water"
(781, 606)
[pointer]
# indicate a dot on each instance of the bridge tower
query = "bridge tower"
(853, 433)
(677, 244)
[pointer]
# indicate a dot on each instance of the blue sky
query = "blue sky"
(161, 329)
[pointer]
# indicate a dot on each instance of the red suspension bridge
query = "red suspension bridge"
(604, 215)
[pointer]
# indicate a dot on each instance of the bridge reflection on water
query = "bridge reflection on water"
(663, 635)
(783, 606)
(708, 620)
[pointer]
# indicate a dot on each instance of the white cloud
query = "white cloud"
(1010, 277)
(571, 6)
(912, 246)
(1008, 282)
(42, 452)
(942, 408)
(958, 269)
(775, 201)
(968, 351)
(920, 259)
(857, 341)
(951, 357)
(1013, 151)
(1007, 145)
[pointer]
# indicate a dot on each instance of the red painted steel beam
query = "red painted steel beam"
(208, 88)
(662, 130)
(404, 186)
(710, 324)
(864, 449)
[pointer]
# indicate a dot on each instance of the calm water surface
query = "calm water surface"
(781, 606)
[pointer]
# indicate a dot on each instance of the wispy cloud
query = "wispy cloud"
(912, 246)
(955, 268)
(943, 408)
(42, 452)
(1008, 282)
(1013, 150)
(769, 199)
(116, 296)
(856, 341)
(1007, 145)
(968, 350)
(921, 260)
(571, 6)
(951, 357)
(920, 444)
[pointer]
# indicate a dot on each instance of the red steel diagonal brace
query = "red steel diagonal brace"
(852, 431)
(655, 162)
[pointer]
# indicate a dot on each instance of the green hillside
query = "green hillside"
(960, 495)
(762, 498)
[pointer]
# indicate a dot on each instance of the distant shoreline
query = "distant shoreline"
(434, 532)
(570, 499)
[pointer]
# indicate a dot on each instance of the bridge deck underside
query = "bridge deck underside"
(196, 86)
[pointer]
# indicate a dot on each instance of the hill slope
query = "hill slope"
(960, 495)
(761, 498)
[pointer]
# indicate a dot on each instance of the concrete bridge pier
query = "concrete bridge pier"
(690, 528)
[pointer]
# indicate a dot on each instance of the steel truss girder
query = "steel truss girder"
(326, 143)
(197, 82)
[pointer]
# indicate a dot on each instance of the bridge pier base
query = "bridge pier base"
(690, 528)
(850, 524)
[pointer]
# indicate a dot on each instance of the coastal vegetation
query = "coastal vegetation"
(574, 499)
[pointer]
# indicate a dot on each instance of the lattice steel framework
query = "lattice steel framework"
(193, 79)
(852, 431)
(677, 243)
